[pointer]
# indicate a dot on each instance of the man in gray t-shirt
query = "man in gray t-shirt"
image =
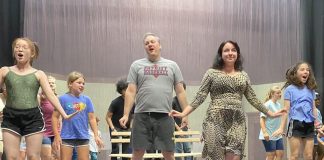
(151, 81)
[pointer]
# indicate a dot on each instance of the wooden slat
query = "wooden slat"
(120, 140)
(186, 133)
(175, 139)
(157, 155)
(120, 133)
(175, 133)
(187, 139)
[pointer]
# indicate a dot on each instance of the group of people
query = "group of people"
(304, 118)
(151, 82)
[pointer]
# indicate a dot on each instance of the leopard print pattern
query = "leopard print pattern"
(224, 128)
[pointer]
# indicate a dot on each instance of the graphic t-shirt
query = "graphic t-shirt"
(77, 127)
(155, 82)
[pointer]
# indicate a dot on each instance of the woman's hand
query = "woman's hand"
(276, 114)
(175, 113)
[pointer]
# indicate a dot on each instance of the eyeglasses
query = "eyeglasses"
(22, 47)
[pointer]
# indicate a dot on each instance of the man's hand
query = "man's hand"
(123, 121)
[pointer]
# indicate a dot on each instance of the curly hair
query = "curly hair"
(291, 77)
(121, 85)
(219, 62)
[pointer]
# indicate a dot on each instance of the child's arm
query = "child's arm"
(316, 121)
(94, 128)
(283, 119)
(263, 128)
(51, 96)
(55, 125)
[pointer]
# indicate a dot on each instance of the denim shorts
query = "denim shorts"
(273, 145)
(47, 140)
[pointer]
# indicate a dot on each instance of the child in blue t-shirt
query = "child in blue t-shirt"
(74, 132)
(273, 145)
(299, 102)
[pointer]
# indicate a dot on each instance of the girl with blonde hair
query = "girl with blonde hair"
(273, 144)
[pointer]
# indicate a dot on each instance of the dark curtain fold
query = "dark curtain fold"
(314, 40)
(11, 27)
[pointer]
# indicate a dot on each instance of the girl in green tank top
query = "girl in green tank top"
(21, 115)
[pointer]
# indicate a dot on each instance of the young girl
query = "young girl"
(74, 132)
(299, 102)
(21, 115)
(47, 110)
(273, 145)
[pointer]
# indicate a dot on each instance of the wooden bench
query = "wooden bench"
(121, 139)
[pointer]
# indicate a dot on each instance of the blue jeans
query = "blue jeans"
(183, 147)
(93, 155)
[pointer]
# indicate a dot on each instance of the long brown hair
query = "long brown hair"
(291, 77)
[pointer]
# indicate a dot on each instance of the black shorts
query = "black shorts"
(301, 129)
(153, 131)
(23, 122)
(75, 142)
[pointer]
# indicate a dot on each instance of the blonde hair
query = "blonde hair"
(271, 92)
(32, 45)
(54, 79)
(73, 76)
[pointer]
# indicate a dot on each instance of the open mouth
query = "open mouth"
(305, 77)
(20, 55)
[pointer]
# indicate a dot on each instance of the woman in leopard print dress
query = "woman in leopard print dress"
(224, 128)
